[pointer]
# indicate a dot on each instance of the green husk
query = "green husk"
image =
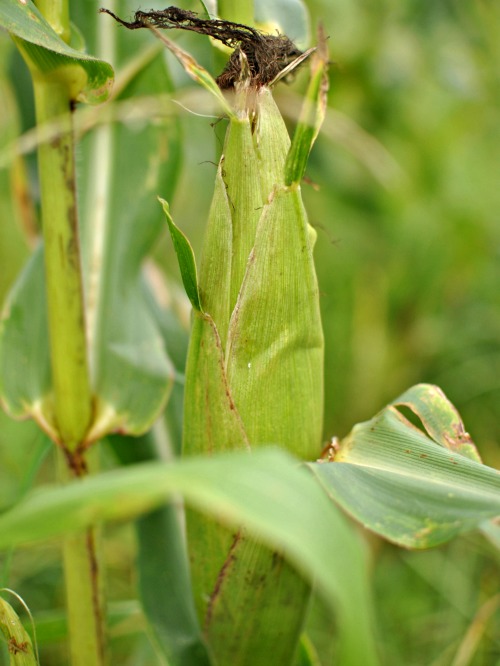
(254, 373)
(19, 645)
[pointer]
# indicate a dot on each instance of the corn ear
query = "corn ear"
(254, 373)
(19, 644)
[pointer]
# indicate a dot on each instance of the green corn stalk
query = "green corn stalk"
(255, 364)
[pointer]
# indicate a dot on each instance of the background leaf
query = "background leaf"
(47, 52)
(290, 16)
(276, 501)
(119, 222)
(407, 488)
(439, 417)
(24, 344)
(126, 166)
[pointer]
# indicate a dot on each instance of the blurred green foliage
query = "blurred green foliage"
(408, 258)
(409, 263)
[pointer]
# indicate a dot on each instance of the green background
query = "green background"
(406, 203)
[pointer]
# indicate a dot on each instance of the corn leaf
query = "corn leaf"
(185, 257)
(162, 566)
(439, 418)
(277, 502)
(311, 116)
(405, 486)
(90, 79)
(24, 345)
(119, 221)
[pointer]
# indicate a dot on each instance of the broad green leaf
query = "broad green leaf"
(90, 79)
(407, 488)
(20, 368)
(175, 333)
(126, 167)
(25, 375)
(185, 257)
(277, 502)
(23, 448)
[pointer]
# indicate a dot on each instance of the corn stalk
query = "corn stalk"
(54, 92)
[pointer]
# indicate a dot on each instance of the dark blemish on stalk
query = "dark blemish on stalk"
(221, 577)
(96, 602)
(267, 55)
(76, 461)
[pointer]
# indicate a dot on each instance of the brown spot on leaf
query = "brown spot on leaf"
(15, 648)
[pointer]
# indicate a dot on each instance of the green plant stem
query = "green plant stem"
(239, 11)
(68, 343)
(72, 395)
(57, 14)
(84, 596)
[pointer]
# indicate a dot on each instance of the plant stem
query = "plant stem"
(57, 14)
(68, 343)
(72, 396)
(68, 346)
(84, 597)
(239, 11)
